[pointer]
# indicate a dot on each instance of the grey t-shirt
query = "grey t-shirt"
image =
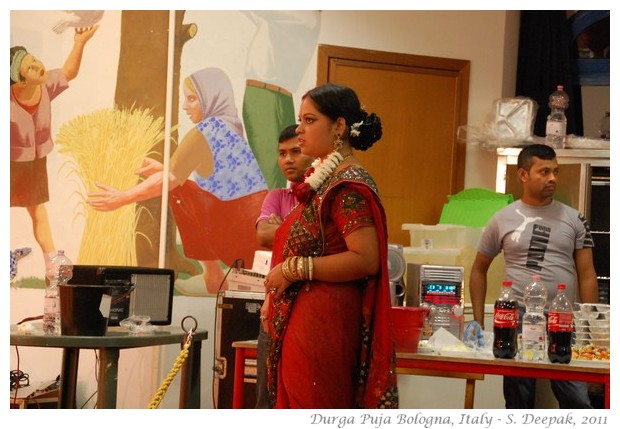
(537, 240)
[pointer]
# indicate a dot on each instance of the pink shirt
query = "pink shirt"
(279, 202)
(31, 134)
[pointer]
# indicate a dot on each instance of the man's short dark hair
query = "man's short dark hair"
(288, 133)
(539, 151)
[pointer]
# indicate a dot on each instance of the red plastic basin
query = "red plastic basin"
(408, 323)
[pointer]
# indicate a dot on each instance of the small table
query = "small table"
(109, 347)
(575, 371)
(247, 350)
(243, 350)
(469, 368)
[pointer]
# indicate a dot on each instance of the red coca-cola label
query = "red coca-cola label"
(505, 318)
(560, 322)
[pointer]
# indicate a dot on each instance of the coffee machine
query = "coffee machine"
(440, 287)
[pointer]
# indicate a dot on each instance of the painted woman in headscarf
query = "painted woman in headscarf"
(33, 88)
(215, 212)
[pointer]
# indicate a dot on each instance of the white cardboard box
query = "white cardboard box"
(262, 262)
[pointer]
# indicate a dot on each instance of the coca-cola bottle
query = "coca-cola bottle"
(505, 323)
(560, 327)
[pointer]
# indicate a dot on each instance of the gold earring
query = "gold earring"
(337, 143)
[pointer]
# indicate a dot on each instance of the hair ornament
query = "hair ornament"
(355, 128)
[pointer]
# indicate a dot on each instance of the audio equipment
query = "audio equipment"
(237, 319)
(151, 293)
(440, 287)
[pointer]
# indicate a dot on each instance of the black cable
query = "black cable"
(19, 379)
(29, 319)
(96, 380)
(88, 400)
(17, 385)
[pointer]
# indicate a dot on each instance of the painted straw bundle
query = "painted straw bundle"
(107, 146)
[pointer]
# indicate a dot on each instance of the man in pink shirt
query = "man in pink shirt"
(276, 206)
(279, 202)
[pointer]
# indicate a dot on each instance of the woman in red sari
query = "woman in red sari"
(328, 306)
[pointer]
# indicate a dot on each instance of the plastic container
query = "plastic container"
(58, 272)
(514, 118)
(408, 323)
(534, 325)
(85, 309)
(556, 121)
(421, 255)
(441, 236)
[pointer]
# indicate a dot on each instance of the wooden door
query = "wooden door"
(421, 101)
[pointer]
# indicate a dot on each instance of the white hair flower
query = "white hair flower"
(355, 129)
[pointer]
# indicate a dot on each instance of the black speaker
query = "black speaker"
(237, 319)
(151, 295)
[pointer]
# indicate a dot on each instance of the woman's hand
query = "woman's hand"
(264, 312)
(108, 200)
(275, 283)
(83, 35)
(149, 167)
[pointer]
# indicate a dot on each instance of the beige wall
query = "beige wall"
(489, 39)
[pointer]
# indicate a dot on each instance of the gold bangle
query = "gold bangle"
(310, 268)
(300, 268)
(284, 268)
(290, 266)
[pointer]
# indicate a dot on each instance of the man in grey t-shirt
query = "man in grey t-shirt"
(538, 235)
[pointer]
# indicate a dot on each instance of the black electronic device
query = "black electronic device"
(151, 291)
(238, 319)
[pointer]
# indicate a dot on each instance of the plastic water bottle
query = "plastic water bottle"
(59, 272)
(505, 323)
(534, 327)
(560, 327)
(556, 121)
(604, 127)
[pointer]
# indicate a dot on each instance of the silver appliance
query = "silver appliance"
(440, 287)
(396, 271)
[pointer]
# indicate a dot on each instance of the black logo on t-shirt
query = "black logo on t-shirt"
(538, 246)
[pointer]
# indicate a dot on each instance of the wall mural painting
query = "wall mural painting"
(114, 154)
(33, 88)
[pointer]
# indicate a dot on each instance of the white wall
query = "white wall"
(486, 38)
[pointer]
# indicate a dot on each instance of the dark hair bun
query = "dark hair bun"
(370, 131)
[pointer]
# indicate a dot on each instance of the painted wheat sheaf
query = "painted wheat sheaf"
(107, 146)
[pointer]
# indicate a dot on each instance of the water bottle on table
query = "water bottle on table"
(59, 272)
(534, 327)
(556, 121)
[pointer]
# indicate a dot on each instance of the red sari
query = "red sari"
(331, 344)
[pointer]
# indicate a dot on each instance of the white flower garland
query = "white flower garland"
(323, 168)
